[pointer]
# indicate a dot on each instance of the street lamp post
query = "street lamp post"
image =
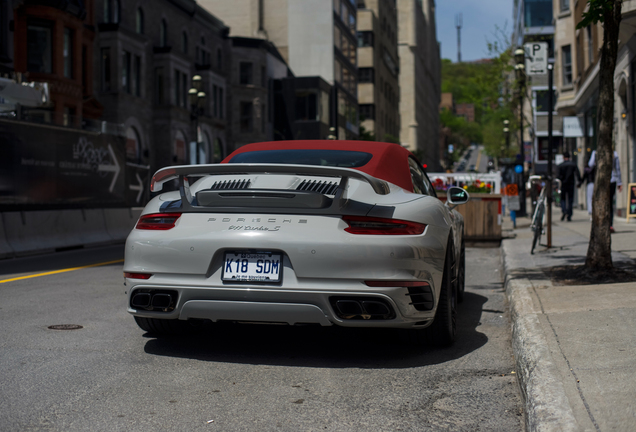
(550, 155)
(520, 72)
(196, 98)
(507, 132)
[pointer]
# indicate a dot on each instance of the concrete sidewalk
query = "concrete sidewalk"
(575, 346)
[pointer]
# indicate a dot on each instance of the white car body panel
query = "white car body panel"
(321, 261)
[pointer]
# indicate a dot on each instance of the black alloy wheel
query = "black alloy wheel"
(461, 275)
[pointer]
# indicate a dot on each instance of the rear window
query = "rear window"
(334, 158)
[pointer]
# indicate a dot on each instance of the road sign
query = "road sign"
(512, 189)
(536, 58)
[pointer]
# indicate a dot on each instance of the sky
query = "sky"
(480, 18)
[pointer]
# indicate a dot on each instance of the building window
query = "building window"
(537, 13)
(565, 5)
(590, 44)
(159, 86)
(221, 113)
(179, 95)
(542, 100)
(184, 90)
(306, 106)
(105, 68)
(215, 100)
(163, 33)
(566, 63)
(365, 38)
(125, 72)
(136, 78)
(367, 112)
(245, 73)
(111, 11)
(39, 48)
(366, 75)
(247, 120)
(263, 77)
(184, 42)
(139, 21)
(85, 89)
(219, 59)
(68, 53)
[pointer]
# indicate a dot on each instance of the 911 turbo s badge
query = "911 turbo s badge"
(252, 228)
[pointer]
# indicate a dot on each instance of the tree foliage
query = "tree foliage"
(484, 85)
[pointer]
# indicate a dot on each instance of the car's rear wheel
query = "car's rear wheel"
(461, 274)
(162, 327)
(444, 328)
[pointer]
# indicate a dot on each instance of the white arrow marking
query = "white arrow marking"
(139, 187)
(112, 168)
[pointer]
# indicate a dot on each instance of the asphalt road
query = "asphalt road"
(110, 376)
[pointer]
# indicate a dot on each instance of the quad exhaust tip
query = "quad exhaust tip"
(356, 308)
(154, 300)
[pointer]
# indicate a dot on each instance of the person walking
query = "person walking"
(588, 178)
(570, 176)
(615, 181)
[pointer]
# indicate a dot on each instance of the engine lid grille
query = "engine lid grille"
(323, 187)
(231, 184)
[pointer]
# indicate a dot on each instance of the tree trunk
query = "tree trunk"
(599, 252)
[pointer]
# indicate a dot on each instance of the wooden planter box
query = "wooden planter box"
(482, 216)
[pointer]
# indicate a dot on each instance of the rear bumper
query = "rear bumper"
(276, 305)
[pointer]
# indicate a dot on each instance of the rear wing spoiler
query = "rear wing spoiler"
(179, 172)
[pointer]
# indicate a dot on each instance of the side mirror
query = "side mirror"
(456, 195)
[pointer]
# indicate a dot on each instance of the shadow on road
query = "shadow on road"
(62, 260)
(322, 347)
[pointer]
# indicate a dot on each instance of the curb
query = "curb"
(546, 405)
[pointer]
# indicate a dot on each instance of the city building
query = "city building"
(378, 69)
(150, 54)
(576, 54)
(420, 80)
(466, 110)
(534, 22)
(316, 38)
(256, 63)
(53, 43)
(6, 38)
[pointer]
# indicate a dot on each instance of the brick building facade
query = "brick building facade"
(148, 52)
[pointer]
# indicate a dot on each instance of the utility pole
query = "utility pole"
(458, 24)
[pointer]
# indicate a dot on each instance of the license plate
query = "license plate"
(252, 267)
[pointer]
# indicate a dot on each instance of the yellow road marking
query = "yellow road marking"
(478, 160)
(61, 271)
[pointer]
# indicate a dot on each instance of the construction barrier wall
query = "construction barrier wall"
(32, 232)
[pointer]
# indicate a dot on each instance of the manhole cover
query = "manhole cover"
(65, 327)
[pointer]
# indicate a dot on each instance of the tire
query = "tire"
(537, 227)
(162, 327)
(461, 274)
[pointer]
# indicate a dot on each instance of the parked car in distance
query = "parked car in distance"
(346, 233)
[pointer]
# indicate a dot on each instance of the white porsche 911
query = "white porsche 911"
(347, 233)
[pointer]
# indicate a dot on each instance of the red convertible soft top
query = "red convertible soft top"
(388, 162)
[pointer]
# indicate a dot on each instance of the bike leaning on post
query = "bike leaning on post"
(538, 217)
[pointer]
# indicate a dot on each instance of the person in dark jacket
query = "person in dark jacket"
(570, 176)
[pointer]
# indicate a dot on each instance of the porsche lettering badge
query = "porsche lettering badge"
(241, 227)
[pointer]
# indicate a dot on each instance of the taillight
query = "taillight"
(158, 221)
(381, 226)
(137, 275)
(381, 283)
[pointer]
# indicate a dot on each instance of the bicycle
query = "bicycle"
(538, 217)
